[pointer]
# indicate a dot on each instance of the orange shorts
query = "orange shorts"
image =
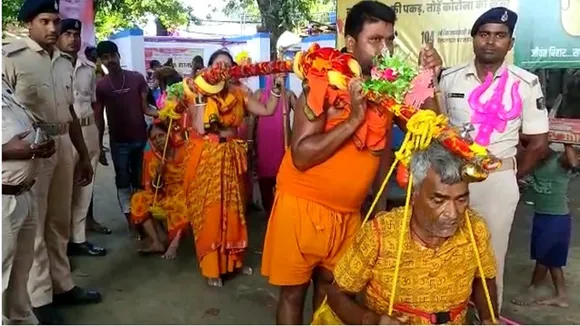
(302, 235)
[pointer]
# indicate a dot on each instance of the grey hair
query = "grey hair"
(443, 162)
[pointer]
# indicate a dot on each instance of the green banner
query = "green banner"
(548, 34)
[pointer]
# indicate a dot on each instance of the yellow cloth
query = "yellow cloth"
(226, 109)
(170, 199)
(429, 280)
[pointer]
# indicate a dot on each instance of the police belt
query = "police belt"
(87, 121)
(54, 129)
(507, 164)
(12, 190)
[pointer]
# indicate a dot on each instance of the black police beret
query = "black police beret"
(33, 8)
(70, 24)
(497, 15)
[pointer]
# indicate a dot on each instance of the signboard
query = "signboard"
(550, 36)
(564, 131)
(83, 11)
(182, 57)
(445, 23)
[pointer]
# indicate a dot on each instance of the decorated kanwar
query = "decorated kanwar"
(341, 126)
(216, 163)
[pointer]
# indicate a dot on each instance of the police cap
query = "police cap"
(33, 8)
(497, 15)
(70, 24)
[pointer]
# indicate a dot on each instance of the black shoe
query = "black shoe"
(85, 249)
(47, 315)
(78, 296)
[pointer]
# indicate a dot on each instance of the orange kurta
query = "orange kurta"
(170, 201)
(213, 184)
(316, 213)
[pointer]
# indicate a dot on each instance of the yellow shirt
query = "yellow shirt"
(429, 280)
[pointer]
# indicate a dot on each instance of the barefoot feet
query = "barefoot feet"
(558, 301)
(171, 253)
(530, 295)
(152, 248)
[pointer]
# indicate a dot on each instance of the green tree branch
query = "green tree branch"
(114, 15)
(278, 16)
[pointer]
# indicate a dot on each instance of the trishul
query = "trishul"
(491, 115)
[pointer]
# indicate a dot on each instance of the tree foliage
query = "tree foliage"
(278, 16)
(114, 15)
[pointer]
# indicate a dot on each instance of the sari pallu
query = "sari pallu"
(170, 204)
(216, 209)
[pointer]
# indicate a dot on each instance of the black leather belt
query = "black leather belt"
(13, 190)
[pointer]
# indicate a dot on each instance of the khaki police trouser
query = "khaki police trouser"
(18, 232)
(50, 273)
(496, 200)
(82, 195)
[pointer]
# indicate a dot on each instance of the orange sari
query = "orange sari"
(214, 174)
(170, 202)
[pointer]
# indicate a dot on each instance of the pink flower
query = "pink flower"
(375, 73)
(390, 75)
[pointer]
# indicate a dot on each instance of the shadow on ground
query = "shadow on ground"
(150, 290)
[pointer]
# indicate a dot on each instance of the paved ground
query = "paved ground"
(150, 290)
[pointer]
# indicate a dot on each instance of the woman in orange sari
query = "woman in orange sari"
(160, 207)
(214, 177)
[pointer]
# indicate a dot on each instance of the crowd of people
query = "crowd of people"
(196, 174)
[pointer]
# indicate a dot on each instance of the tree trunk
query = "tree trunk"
(271, 23)
(161, 30)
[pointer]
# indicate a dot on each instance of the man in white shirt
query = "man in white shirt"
(496, 198)
(84, 88)
(18, 219)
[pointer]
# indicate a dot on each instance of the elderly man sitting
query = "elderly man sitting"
(438, 271)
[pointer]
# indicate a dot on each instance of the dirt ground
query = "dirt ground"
(150, 290)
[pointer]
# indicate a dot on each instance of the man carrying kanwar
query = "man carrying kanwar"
(438, 271)
(325, 176)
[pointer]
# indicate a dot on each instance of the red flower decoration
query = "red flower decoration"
(390, 75)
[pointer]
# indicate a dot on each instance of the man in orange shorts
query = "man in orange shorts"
(326, 175)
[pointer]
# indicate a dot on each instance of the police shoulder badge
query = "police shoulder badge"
(541, 104)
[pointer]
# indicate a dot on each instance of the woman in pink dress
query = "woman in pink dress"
(270, 145)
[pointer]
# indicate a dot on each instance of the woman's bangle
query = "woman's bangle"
(275, 94)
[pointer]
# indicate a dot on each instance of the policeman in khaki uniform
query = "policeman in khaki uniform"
(42, 82)
(84, 91)
(18, 218)
(497, 197)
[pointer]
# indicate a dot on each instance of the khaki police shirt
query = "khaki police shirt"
(458, 82)
(84, 87)
(43, 85)
(15, 120)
